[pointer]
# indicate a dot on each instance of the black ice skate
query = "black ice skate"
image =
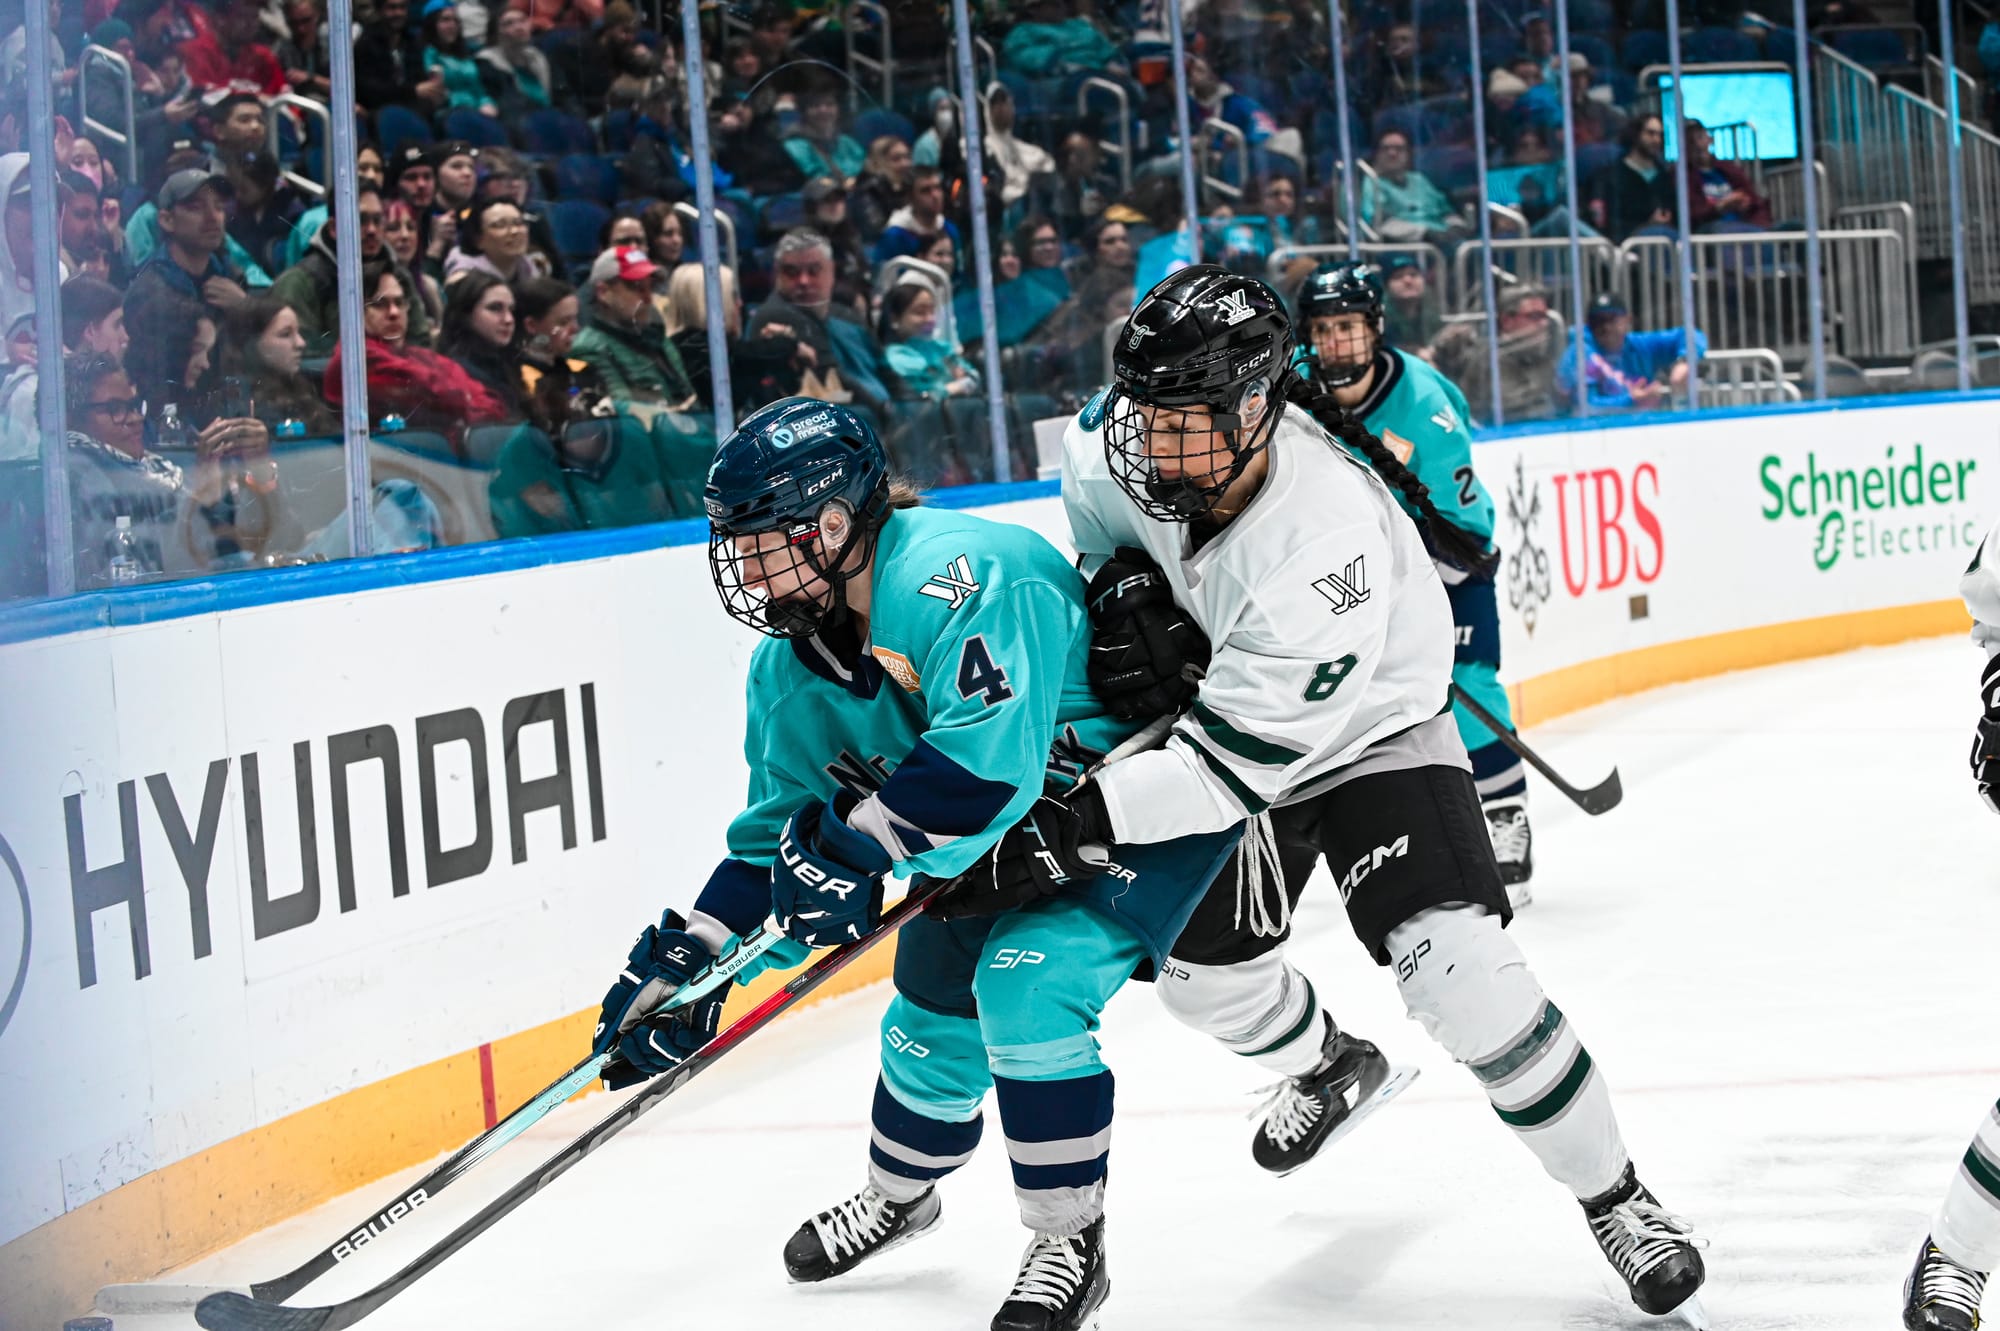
(1061, 1286)
(1304, 1114)
(1941, 1295)
(834, 1242)
(1654, 1250)
(1513, 845)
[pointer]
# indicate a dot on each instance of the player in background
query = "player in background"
(922, 676)
(1963, 1247)
(1208, 465)
(1422, 418)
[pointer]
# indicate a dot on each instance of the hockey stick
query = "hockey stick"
(1600, 798)
(230, 1310)
(463, 1160)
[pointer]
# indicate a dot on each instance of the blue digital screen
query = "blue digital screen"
(1765, 98)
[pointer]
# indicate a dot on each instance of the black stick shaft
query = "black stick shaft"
(231, 1311)
(1600, 798)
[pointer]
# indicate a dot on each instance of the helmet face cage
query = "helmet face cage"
(1210, 444)
(1352, 288)
(786, 588)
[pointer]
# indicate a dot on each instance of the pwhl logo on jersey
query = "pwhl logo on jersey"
(955, 584)
(1910, 503)
(1347, 588)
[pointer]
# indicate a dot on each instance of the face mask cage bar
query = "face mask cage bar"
(1129, 450)
(1342, 373)
(809, 591)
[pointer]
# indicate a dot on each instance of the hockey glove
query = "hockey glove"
(826, 884)
(1060, 845)
(1986, 743)
(664, 958)
(1147, 656)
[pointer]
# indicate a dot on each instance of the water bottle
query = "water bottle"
(171, 434)
(393, 423)
(124, 552)
(291, 428)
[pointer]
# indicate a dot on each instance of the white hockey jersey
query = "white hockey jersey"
(1981, 588)
(1329, 626)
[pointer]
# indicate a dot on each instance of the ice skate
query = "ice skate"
(1513, 846)
(1652, 1249)
(1061, 1286)
(1941, 1295)
(836, 1241)
(1304, 1114)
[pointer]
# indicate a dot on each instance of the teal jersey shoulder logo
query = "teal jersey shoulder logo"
(1093, 411)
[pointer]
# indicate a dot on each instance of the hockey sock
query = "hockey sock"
(1059, 1140)
(1967, 1228)
(908, 1151)
(1472, 990)
(1263, 1009)
(1498, 773)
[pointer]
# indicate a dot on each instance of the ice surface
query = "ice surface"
(1776, 949)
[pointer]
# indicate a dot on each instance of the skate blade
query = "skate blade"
(1399, 1080)
(1690, 1313)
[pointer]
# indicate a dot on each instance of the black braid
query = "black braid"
(1444, 536)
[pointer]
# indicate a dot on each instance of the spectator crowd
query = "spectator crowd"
(533, 303)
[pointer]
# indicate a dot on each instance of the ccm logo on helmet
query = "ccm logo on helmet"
(816, 486)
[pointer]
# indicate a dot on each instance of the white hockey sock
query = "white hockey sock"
(1263, 1009)
(1465, 982)
(1967, 1228)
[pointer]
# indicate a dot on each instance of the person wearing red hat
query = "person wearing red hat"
(624, 338)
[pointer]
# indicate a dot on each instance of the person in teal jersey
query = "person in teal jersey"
(921, 687)
(1423, 419)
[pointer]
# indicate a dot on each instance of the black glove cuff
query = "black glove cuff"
(1093, 814)
(1989, 687)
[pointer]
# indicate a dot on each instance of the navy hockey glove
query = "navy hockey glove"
(1061, 844)
(826, 884)
(664, 958)
(1986, 743)
(1147, 655)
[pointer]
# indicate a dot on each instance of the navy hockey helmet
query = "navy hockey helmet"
(1349, 288)
(1203, 349)
(794, 500)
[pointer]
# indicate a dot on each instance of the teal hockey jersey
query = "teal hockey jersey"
(969, 693)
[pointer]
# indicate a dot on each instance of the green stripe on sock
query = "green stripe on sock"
(1557, 1100)
(1304, 1023)
(1983, 1173)
(1238, 742)
(1244, 795)
(1509, 1061)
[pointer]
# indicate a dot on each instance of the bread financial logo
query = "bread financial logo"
(19, 916)
(1529, 584)
(1345, 589)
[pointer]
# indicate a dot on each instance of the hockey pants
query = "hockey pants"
(1967, 1228)
(1475, 668)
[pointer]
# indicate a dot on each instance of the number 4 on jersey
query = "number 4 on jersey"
(978, 673)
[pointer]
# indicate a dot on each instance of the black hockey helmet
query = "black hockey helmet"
(1203, 338)
(815, 472)
(1348, 288)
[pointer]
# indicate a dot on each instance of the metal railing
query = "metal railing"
(1750, 290)
(1785, 188)
(884, 67)
(310, 110)
(1751, 376)
(1232, 141)
(1545, 263)
(1437, 269)
(691, 216)
(1121, 147)
(125, 134)
(1919, 170)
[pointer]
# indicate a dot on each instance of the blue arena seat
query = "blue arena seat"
(1717, 46)
(588, 176)
(475, 127)
(548, 132)
(577, 223)
(397, 125)
(873, 123)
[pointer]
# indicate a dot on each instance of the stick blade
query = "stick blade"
(1603, 797)
(232, 1311)
(155, 1299)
